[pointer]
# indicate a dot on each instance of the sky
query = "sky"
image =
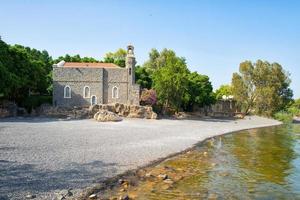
(214, 36)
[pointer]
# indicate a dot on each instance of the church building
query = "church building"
(85, 84)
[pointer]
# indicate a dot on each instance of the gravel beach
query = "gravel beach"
(43, 156)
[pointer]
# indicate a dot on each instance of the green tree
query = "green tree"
(142, 77)
(223, 90)
(118, 57)
(199, 91)
(170, 80)
(23, 71)
(262, 87)
(75, 58)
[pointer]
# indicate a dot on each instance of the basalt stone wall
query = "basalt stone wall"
(101, 82)
(77, 79)
(116, 77)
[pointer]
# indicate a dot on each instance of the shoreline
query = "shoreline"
(114, 181)
(111, 149)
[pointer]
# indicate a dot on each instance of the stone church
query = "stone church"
(85, 84)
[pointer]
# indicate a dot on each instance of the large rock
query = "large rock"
(131, 111)
(106, 116)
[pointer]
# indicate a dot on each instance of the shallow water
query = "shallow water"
(255, 164)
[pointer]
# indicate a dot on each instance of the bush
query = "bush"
(35, 101)
(284, 116)
(148, 97)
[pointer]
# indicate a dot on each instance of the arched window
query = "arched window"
(93, 100)
(115, 92)
(86, 92)
(67, 92)
(129, 71)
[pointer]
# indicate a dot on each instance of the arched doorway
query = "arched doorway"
(93, 100)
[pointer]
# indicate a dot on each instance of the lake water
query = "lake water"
(255, 164)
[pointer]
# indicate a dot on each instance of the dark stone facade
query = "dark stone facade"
(101, 82)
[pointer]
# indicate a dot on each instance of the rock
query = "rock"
(30, 196)
(66, 193)
(93, 196)
(168, 181)
(153, 115)
(212, 196)
(121, 181)
(93, 109)
(126, 197)
(60, 197)
(106, 116)
(163, 176)
(148, 175)
(21, 111)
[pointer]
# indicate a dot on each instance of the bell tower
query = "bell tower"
(130, 63)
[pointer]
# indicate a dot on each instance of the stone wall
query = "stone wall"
(101, 82)
(77, 79)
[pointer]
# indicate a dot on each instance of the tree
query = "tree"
(223, 90)
(118, 57)
(199, 91)
(142, 77)
(76, 58)
(170, 80)
(23, 71)
(262, 87)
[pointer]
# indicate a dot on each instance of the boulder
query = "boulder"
(106, 116)
(93, 109)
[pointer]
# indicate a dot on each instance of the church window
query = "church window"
(115, 92)
(86, 92)
(67, 92)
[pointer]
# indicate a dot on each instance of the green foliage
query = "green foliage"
(284, 116)
(175, 86)
(170, 80)
(75, 58)
(261, 87)
(118, 57)
(199, 91)
(23, 70)
(35, 101)
(142, 77)
(223, 90)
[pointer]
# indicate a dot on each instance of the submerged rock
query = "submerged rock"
(30, 196)
(93, 196)
(163, 176)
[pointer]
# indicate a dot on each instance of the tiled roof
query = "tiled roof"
(90, 65)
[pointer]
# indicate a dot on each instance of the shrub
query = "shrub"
(284, 116)
(148, 97)
(35, 101)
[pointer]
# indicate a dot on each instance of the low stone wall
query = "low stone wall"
(8, 109)
(74, 113)
(123, 110)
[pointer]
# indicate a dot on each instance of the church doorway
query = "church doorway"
(93, 100)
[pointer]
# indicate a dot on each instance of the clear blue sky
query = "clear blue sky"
(214, 36)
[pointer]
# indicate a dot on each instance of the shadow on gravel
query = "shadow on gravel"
(35, 120)
(16, 178)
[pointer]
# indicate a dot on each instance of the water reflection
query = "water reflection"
(255, 164)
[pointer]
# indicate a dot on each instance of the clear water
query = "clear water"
(255, 164)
